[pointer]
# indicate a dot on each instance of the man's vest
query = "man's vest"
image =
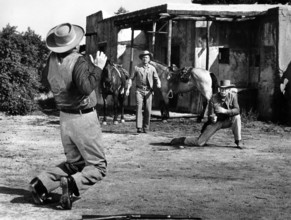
(66, 94)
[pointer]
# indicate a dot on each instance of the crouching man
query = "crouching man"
(223, 113)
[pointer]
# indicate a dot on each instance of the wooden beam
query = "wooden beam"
(215, 13)
(131, 50)
(207, 45)
(102, 42)
(131, 58)
(169, 52)
(193, 18)
(90, 34)
(224, 19)
(154, 37)
(213, 18)
(157, 32)
(245, 19)
(162, 27)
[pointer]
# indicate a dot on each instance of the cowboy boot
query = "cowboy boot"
(178, 141)
(38, 191)
(238, 145)
(69, 188)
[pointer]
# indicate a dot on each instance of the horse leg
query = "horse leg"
(104, 110)
(204, 112)
(164, 112)
(121, 106)
(164, 103)
(115, 107)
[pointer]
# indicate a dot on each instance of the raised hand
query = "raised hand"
(100, 59)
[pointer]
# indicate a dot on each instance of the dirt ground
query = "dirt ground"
(148, 176)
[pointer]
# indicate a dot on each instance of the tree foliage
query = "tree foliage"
(121, 10)
(22, 56)
(242, 1)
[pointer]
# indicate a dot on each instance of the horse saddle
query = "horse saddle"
(185, 74)
(122, 71)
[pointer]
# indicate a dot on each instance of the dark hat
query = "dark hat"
(226, 84)
(64, 37)
(144, 53)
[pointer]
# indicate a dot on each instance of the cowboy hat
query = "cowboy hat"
(64, 37)
(225, 84)
(144, 53)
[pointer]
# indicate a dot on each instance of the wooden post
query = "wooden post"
(207, 45)
(194, 49)
(169, 53)
(131, 50)
(131, 59)
(154, 37)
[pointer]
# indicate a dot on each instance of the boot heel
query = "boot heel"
(66, 198)
(38, 191)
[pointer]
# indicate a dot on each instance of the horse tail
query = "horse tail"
(214, 83)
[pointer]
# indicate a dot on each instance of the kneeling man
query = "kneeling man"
(223, 112)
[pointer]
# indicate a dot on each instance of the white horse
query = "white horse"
(184, 80)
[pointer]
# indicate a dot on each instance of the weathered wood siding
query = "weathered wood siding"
(101, 35)
(282, 102)
(268, 63)
(256, 51)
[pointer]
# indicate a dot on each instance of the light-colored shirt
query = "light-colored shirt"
(229, 102)
(145, 75)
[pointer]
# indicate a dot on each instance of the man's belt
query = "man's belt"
(80, 111)
(145, 88)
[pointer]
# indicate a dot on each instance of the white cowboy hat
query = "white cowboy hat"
(226, 84)
(144, 53)
(64, 37)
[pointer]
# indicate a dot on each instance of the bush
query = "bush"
(22, 56)
(249, 116)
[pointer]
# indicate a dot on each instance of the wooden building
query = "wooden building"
(248, 44)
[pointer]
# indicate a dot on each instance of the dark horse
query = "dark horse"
(113, 82)
(183, 80)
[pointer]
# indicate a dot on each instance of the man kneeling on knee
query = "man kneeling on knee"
(223, 112)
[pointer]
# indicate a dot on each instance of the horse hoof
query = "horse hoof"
(115, 122)
(104, 123)
(165, 121)
(122, 120)
(199, 120)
